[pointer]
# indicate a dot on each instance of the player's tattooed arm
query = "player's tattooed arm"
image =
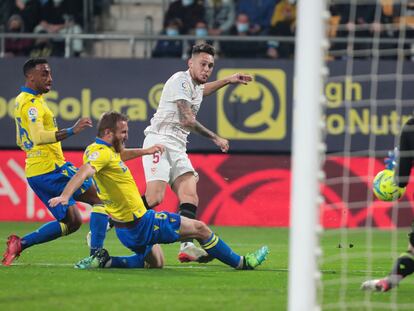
(188, 120)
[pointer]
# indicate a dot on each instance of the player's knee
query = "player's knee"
(74, 225)
(158, 263)
(155, 259)
(154, 199)
(202, 230)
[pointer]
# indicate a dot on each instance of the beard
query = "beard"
(118, 144)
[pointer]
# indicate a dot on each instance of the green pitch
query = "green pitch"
(44, 278)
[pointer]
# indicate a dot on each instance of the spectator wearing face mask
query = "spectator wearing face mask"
(259, 13)
(189, 12)
(243, 49)
(169, 48)
(200, 31)
(219, 15)
(17, 47)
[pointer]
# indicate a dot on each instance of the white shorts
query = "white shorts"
(173, 162)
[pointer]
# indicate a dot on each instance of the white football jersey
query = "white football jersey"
(166, 119)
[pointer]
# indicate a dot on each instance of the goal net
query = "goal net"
(367, 95)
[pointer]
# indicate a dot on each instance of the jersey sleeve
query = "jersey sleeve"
(180, 88)
(97, 157)
(33, 113)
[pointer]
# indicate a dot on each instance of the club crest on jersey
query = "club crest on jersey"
(93, 156)
(123, 166)
(32, 114)
(186, 88)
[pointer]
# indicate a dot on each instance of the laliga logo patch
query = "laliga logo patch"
(32, 113)
(255, 111)
(186, 88)
(93, 156)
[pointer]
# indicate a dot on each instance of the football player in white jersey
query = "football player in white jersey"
(173, 121)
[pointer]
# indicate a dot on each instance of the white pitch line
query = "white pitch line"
(200, 267)
(45, 264)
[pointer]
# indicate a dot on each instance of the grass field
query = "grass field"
(44, 277)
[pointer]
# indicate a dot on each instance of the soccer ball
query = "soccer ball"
(384, 187)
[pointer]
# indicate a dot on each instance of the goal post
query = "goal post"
(306, 155)
(345, 120)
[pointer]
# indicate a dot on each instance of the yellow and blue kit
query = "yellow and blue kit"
(136, 227)
(46, 169)
(35, 133)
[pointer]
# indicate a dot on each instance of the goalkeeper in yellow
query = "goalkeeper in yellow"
(46, 170)
(137, 228)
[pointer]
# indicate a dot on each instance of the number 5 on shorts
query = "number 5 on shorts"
(156, 157)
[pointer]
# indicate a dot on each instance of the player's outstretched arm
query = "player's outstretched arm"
(237, 78)
(79, 126)
(84, 172)
(188, 121)
(41, 136)
(132, 153)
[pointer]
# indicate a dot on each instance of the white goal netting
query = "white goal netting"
(369, 94)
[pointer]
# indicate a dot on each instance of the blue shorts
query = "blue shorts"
(50, 185)
(152, 228)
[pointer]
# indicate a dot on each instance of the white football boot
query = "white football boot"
(189, 252)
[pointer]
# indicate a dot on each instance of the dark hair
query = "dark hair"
(203, 48)
(32, 63)
(109, 120)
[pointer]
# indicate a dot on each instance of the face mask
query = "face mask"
(171, 32)
(242, 27)
(201, 32)
(187, 2)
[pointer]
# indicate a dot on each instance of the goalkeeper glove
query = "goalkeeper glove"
(391, 160)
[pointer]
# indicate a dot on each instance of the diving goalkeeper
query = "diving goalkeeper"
(401, 162)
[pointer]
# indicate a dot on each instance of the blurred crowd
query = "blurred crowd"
(240, 18)
(41, 16)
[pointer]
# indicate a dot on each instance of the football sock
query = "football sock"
(133, 261)
(216, 247)
(188, 210)
(45, 233)
(98, 224)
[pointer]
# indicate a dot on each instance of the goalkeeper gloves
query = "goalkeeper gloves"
(391, 160)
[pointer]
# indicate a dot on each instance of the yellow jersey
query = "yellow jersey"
(31, 107)
(114, 182)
